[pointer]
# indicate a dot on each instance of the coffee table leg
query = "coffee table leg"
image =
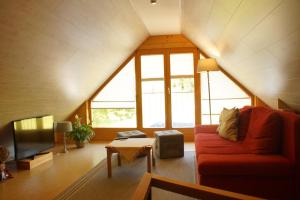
(153, 159)
(108, 162)
(119, 159)
(148, 160)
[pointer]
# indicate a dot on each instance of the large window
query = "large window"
(168, 95)
(153, 94)
(223, 93)
(182, 90)
(115, 105)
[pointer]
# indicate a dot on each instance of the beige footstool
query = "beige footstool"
(169, 144)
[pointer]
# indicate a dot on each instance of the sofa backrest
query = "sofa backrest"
(265, 131)
(244, 121)
(291, 135)
(290, 144)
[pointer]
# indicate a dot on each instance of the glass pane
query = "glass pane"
(223, 93)
(114, 118)
(153, 87)
(182, 64)
(205, 107)
(152, 66)
(218, 105)
(222, 87)
(204, 85)
(183, 102)
(153, 100)
(121, 87)
(215, 119)
(115, 105)
(205, 119)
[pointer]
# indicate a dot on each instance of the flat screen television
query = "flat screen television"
(32, 136)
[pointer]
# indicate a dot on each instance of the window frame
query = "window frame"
(195, 76)
(167, 79)
(112, 76)
(139, 83)
(107, 133)
(238, 84)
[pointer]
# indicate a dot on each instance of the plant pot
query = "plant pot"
(79, 144)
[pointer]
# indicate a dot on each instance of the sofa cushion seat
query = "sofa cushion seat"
(208, 143)
(244, 164)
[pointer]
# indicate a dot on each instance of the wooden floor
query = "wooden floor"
(48, 180)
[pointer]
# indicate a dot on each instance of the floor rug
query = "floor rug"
(96, 185)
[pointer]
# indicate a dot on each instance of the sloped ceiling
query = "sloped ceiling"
(257, 41)
(55, 53)
(163, 18)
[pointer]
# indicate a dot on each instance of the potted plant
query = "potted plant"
(81, 132)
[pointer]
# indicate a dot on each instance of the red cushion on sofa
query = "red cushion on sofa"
(208, 143)
(244, 121)
(264, 133)
(206, 129)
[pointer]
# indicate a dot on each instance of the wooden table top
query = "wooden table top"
(131, 143)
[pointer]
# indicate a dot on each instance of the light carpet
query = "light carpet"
(96, 185)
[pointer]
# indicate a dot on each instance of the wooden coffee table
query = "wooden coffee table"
(129, 149)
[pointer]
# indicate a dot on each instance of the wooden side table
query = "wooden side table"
(145, 146)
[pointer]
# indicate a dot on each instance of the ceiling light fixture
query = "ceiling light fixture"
(153, 2)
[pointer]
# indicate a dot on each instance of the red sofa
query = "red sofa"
(264, 162)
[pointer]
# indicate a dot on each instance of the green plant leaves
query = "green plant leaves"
(81, 132)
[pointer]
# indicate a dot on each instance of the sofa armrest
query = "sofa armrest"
(205, 129)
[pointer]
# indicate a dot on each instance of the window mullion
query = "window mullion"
(168, 90)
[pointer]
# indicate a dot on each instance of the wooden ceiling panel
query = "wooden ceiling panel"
(233, 56)
(196, 12)
(287, 50)
(195, 16)
(287, 97)
(220, 16)
(157, 17)
(55, 54)
(247, 15)
(281, 22)
(259, 45)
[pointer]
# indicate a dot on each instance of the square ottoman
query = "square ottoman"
(169, 144)
(131, 134)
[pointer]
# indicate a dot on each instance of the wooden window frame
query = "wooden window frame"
(247, 92)
(112, 76)
(109, 133)
(167, 80)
